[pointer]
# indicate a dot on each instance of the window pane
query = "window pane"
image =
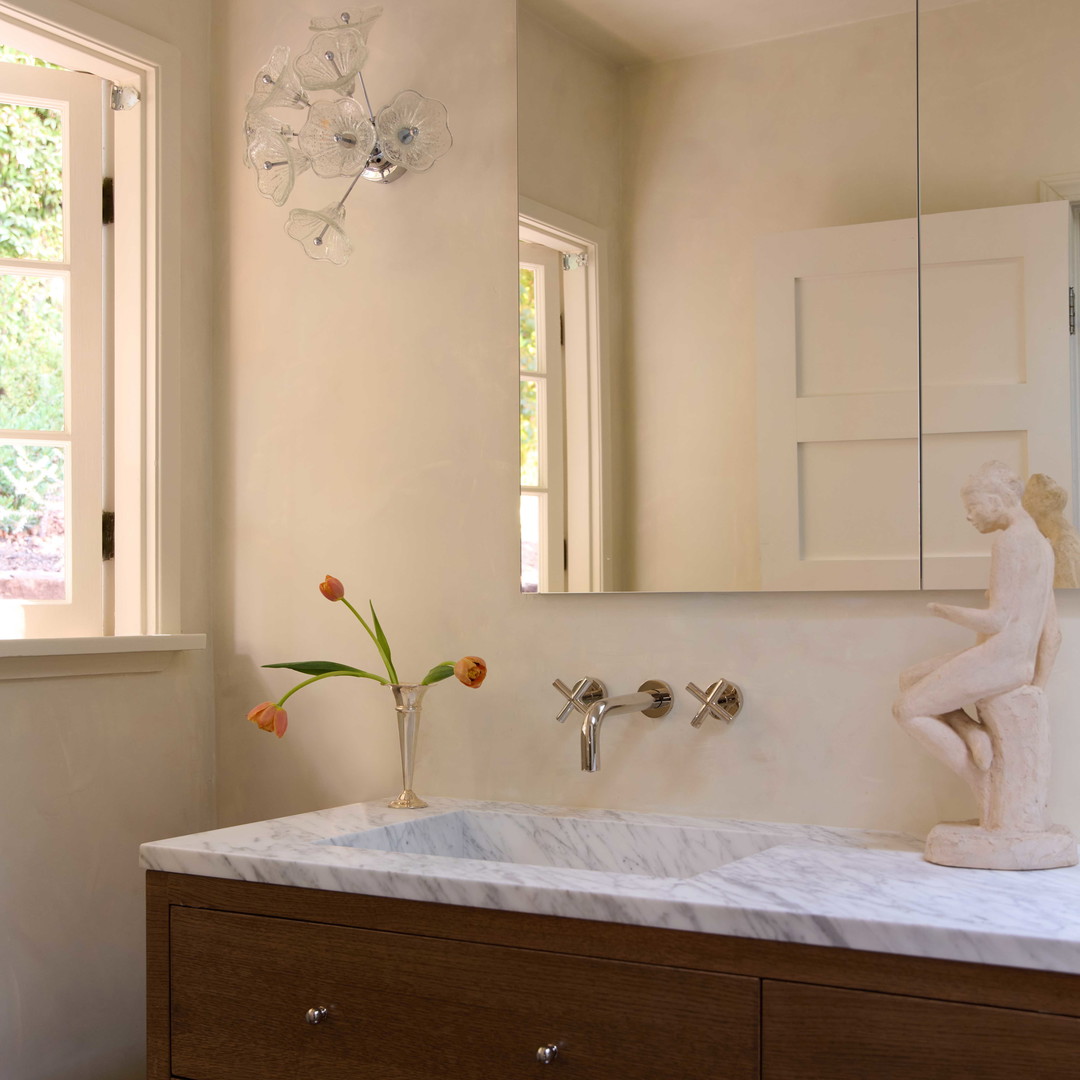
(530, 543)
(527, 319)
(31, 352)
(32, 523)
(31, 190)
(13, 56)
(530, 433)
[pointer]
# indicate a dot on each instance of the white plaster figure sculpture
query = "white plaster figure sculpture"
(1004, 755)
(1045, 500)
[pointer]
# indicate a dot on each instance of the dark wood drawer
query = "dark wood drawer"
(414, 1008)
(814, 1033)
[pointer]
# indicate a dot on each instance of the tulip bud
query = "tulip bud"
(270, 717)
(331, 588)
(470, 670)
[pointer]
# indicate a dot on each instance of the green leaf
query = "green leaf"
(324, 667)
(383, 644)
(438, 673)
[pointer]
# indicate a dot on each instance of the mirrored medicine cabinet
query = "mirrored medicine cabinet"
(788, 274)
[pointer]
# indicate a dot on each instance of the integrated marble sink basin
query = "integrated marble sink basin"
(569, 842)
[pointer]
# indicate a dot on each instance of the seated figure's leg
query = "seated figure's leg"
(919, 671)
(974, 734)
(931, 710)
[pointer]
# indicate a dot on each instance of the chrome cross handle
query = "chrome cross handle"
(723, 700)
(585, 693)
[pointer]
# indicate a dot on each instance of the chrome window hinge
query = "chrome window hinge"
(122, 98)
(1072, 310)
(108, 535)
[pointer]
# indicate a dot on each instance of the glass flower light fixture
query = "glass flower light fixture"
(341, 135)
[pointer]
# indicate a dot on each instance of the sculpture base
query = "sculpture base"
(968, 844)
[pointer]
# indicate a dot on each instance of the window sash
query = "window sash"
(79, 98)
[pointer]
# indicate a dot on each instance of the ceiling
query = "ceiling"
(639, 31)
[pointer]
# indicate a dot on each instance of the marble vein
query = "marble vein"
(799, 883)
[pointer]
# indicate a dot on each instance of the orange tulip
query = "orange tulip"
(270, 717)
(471, 671)
(331, 588)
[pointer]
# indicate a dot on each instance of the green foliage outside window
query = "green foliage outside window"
(530, 440)
(31, 307)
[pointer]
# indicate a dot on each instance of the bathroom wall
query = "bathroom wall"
(812, 131)
(366, 427)
(91, 767)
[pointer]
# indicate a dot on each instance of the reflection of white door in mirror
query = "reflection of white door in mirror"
(838, 420)
(996, 367)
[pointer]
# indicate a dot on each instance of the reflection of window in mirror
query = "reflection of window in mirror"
(561, 403)
(540, 410)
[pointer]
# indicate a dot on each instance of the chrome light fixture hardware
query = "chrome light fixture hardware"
(653, 698)
(341, 136)
(317, 1014)
(585, 693)
(723, 700)
(547, 1054)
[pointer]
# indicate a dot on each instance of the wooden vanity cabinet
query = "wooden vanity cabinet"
(818, 1033)
(420, 991)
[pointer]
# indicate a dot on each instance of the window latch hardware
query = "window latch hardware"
(108, 202)
(108, 535)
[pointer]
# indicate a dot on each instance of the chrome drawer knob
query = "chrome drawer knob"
(547, 1054)
(317, 1015)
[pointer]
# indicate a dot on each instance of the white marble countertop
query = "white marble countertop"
(814, 885)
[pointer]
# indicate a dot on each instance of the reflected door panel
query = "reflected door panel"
(838, 422)
(996, 379)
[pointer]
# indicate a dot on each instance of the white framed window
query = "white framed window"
(540, 411)
(52, 370)
(568, 517)
(118, 109)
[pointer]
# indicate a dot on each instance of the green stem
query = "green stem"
(371, 634)
(329, 675)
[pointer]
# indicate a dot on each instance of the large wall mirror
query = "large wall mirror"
(719, 286)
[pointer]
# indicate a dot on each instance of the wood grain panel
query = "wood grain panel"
(157, 977)
(813, 1033)
(407, 1008)
(1017, 988)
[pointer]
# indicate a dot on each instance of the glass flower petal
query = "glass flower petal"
(276, 85)
(257, 124)
(338, 137)
(412, 131)
(332, 61)
(321, 233)
(363, 23)
(276, 165)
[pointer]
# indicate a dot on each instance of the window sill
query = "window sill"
(53, 658)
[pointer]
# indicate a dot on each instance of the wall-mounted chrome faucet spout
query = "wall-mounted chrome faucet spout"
(654, 698)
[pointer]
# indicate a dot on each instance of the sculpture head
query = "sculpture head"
(1044, 497)
(992, 497)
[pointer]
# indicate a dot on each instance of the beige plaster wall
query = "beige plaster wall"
(367, 428)
(801, 133)
(1000, 101)
(92, 767)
